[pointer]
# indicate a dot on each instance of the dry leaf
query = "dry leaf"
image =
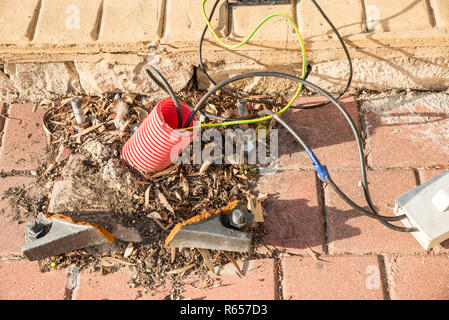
(169, 170)
(211, 109)
(141, 113)
(184, 185)
(129, 250)
(172, 255)
(157, 215)
(230, 258)
(311, 253)
(207, 259)
(182, 270)
(87, 130)
(117, 260)
(163, 200)
(178, 195)
(159, 224)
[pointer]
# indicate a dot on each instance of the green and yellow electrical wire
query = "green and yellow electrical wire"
(236, 46)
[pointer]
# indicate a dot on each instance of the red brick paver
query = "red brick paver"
(418, 277)
(325, 131)
(351, 232)
(351, 277)
(259, 283)
(12, 234)
(22, 280)
(24, 142)
(294, 214)
(113, 286)
(429, 174)
(407, 131)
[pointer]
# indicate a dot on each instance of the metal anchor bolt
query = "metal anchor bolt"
(78, 111)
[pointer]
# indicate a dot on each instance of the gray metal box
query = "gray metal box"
(426, 208)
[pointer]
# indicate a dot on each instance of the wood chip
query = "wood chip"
(50, 167)
(129, 250)
(169, 170)
(182, 270)
(147, 197)
(184, 185)
(172, 255)
(207, 259)
(206, 164)
(87, 130)
(117, 260)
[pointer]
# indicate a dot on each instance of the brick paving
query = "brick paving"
(328, 251)
(23, 144)
(350, 277)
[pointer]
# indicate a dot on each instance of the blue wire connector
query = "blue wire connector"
(320, 170)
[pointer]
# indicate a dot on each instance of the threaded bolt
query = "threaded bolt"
(78, 111)
(238, 217)
(242, 107)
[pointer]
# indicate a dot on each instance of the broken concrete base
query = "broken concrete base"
(92, 179)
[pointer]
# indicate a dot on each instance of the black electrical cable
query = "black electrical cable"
(203, 69)
(159, 79)
(337, 104)
(348, 57)
(329, 180)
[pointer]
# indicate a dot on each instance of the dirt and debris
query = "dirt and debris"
(86, 180)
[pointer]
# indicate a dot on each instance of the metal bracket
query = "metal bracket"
(230, 232)
(47, 237)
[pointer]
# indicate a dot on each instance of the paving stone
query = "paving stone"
(347, 16)
(294, 219)
(332, 278)
(16, 20)
(22, 280)
(399, 15)
(326, 132)
(408, 130)
(185, 22)
(418, 277)
(429, 174)
(24, 143)
(12, 234)
(68, 21)
(246, 18)
(440, 9)
(259, 283)
(131, 21)
(113, 286)
(350, 232)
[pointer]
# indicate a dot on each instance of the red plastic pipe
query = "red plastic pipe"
(158, 142)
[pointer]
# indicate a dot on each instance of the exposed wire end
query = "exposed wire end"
(321, 170)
